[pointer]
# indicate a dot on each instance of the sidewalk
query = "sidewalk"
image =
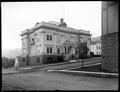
(86, 73)
(9, 71)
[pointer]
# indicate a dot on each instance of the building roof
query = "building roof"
(54, 23)
(56, 26)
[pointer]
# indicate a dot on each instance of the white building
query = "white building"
(46, 42)
(96, 45)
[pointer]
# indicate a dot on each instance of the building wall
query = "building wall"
(59, 38)
(24, 45)
(110, 36)
(96, 49)
(39, 49)
(110, 52)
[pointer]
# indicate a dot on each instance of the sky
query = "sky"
(18, 16)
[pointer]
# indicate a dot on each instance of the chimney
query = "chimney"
(37, 23)
(61, 20)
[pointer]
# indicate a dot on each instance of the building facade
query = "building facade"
(95, 45)
(47, 42)
(110, 36)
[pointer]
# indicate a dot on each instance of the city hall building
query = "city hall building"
(48, 42)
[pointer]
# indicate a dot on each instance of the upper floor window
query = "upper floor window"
(65, 50)
(99, 47)
(49, 37)
(49, 49)
(32, 41)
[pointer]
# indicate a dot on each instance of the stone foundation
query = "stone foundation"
(110, 52)
(41, 59)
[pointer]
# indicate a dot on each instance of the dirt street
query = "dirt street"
(56, 81)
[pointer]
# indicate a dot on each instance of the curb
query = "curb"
(86, 73)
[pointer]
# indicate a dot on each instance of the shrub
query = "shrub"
(83, 50)
(7, 63)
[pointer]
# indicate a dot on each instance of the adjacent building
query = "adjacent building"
(110, 36)
(47, 42)
(95, 45)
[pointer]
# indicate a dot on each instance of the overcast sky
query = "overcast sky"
(18, 16)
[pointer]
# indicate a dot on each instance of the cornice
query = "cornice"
(56, 28)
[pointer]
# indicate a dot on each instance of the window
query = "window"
(58, 50)
(49, 49)
(32, 41)
(97, 47)
(49, 37)
(38, 59)
(23, 60)
(75, 50)
(49, 59)
(65, 50)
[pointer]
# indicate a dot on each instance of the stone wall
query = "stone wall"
(110, 52)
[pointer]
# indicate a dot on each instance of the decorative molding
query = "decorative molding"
(57, 28)
(42, 32)
(54, 33)
(49, 45)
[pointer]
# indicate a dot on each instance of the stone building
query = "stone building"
(47, 42)
(110, 36)
(95, 45)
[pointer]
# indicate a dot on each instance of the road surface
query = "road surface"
(41, 80)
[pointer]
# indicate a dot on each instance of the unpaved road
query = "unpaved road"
(56, 81)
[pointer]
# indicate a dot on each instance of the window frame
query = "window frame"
(58, 50)
(49, 50)
(49, 37)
